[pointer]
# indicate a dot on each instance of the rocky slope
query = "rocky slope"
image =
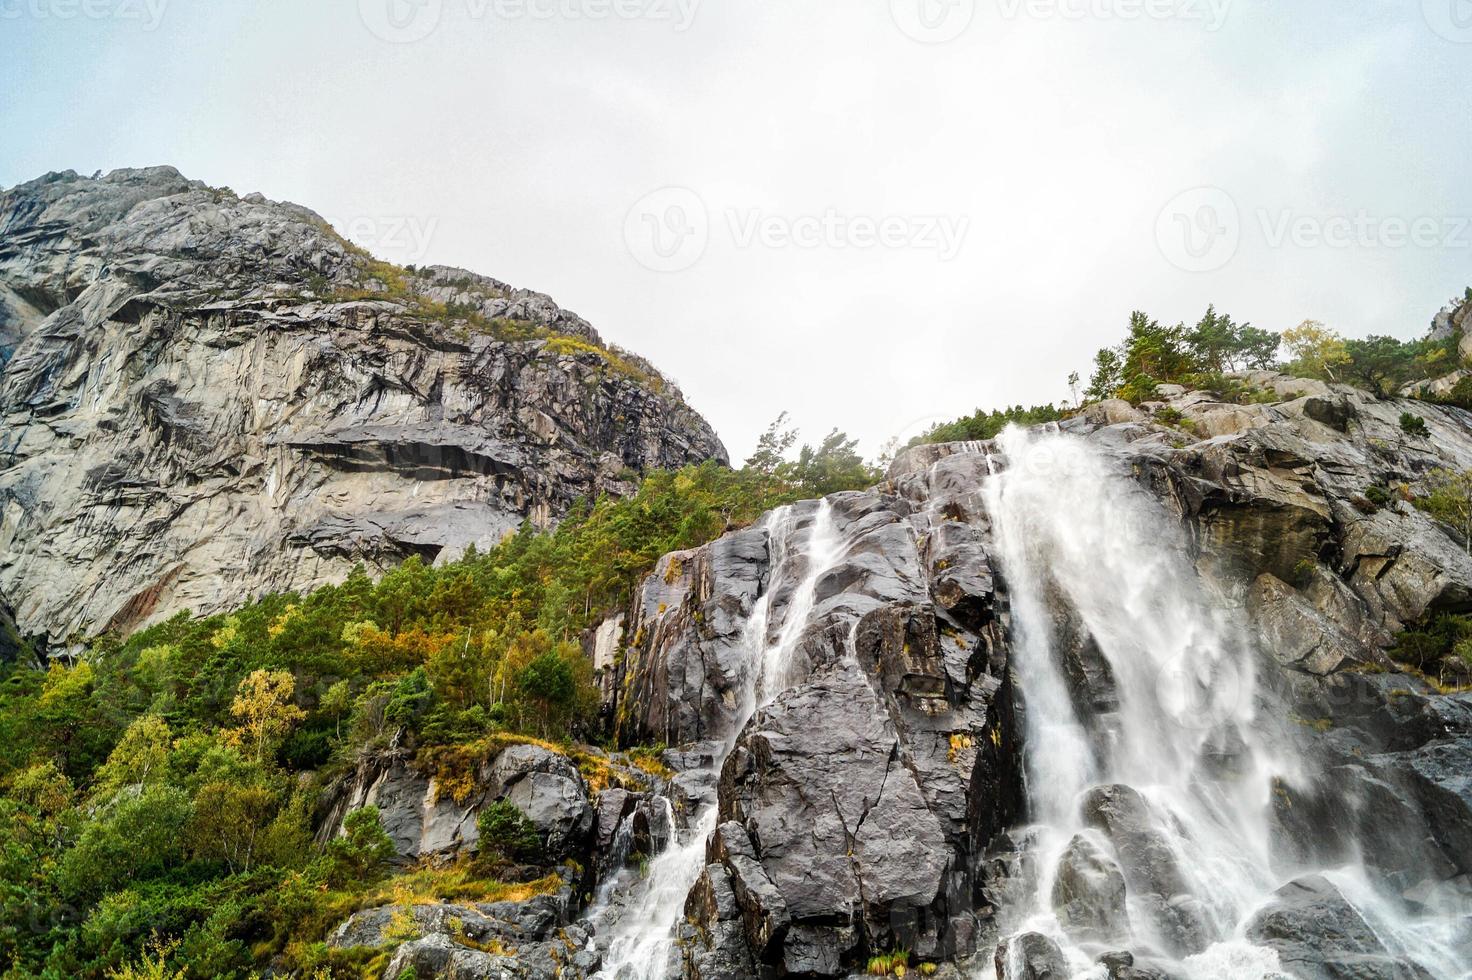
(841, 682)
(206, 397)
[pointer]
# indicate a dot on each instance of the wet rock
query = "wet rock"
(1089, 894)
(1320, 936)
(718, 950)
(1297, 635)
(838, 822)
(1126, 966)
(1030, 956)
(962, 581)
(686, 653)
(1150, 867)
(764, 911)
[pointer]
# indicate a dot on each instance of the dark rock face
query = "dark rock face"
(1089, 894)
(1149, 867)
(716, 948)
(1320, 936)
(1030, 956)
(687, 629)
(856, 805)
(202, 403)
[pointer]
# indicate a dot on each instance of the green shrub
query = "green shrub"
(982, 425)
(363, 850)
(1448, 498)
(506, 835)
(1414, 425)
(1436, 645)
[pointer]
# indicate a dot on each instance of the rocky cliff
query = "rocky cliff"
(872, 797)
(206, 397)
(848, 694)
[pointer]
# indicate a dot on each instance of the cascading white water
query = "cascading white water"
(1072, 528)
(642, 934)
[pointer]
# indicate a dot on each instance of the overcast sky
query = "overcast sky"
(872, 213)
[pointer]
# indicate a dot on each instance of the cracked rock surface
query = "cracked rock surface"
(207, 397)
(874, 802)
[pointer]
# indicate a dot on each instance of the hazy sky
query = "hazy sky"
(872, 213)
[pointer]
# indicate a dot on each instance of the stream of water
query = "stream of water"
(642, 927)
(1074, 531)
(1161, 774)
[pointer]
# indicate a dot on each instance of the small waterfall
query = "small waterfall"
(1152, 812)
(641, 925)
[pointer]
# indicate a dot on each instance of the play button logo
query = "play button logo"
(401, 21)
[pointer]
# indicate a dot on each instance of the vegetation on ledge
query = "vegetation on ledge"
(1209, 355)
(157, 797)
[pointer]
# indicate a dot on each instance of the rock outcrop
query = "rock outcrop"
(533, 939)
(856, 803)
(206, 397)
(1320, 936)
(866, 805)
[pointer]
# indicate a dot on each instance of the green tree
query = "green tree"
(832, 466)
(1108, 376)
(772, 447)
(227, 821)
(1379, 364)
(336, 702)
(265, 711)
(505, 834)
(1316, 351)
(362, 851)
(136, 835)
(140, 757)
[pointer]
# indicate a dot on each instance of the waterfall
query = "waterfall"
(1151, 812)
(641, 924)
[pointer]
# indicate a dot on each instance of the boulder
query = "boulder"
(1150, 868)
(717, 950)
(530, 940)
(422, 821)
(1089, 894)
(1320, 936)
(1030, 956)
(547, 788)
(416, 816)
